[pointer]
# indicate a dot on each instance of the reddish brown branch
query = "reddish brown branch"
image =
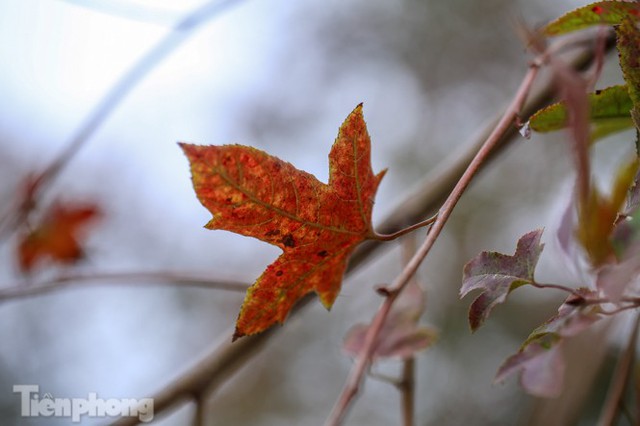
(620, 379)
(364, 357)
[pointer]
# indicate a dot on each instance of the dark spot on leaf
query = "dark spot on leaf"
(598, 92)
(272, 233)
(279, 273)
(229, 199)
(597, 9)
(288, 241)
(323, 253)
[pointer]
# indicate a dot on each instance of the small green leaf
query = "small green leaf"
(629, 50)
(600, 13)
(609, 113)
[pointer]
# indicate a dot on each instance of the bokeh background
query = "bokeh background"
(280, 76)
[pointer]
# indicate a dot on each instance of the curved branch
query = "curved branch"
(364, 358)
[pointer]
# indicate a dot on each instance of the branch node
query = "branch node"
(384, 291)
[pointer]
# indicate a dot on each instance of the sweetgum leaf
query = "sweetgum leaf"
(57, 236)
(628, 43)
(599, 13)
(609, 113)
(498, 274)
(316, 225)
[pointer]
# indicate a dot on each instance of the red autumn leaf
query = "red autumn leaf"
(498, 274)
(401, 336)
(57, 236)
(316, 225)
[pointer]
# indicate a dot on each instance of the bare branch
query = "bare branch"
(364, 357)
(21, 291)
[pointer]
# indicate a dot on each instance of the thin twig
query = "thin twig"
(407, 381)
(220, 363)
(407, 391)
(364, 357)
(179, 34)
(558, 287)
(618, 310)
(620, 379)
(21, 291)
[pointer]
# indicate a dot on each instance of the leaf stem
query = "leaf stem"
(364, 357)
(618, 310)
(400, 233)
(558, 287)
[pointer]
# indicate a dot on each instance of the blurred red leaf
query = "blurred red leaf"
(316, 225)
(401, 336)
(57, 237)
(498, 274)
